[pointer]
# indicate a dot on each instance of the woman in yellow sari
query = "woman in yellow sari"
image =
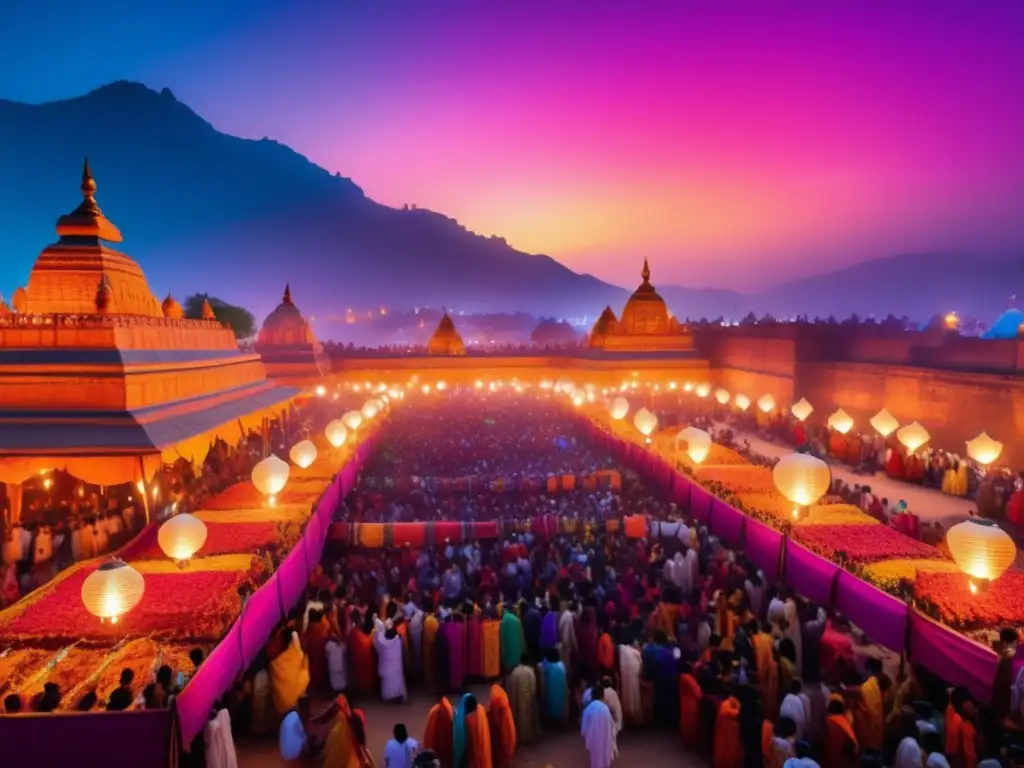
(289, 673)
(346, 743)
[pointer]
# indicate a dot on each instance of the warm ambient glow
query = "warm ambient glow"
(913, 436)
(952, 321)
(884, 423)
(565, 385)
(271, 475)
(984, 449)
(352, 419)
(336, 433)
(182, 536)
(981, 548)
(370, 409)
(425, 389)
(619, 408)
(840, 421)
(112, 590)
(321, 390)
(578, 399)
(303, 454)
(698, 443)
(766, 403)
(742, 402)
(441, 386)
(802, 409)
(645, 421)
(722, 395)
(801, 478)
(703, 390)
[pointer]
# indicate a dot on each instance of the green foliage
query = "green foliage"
(239, 319)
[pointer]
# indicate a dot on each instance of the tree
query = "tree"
(238, 318)
(551, 332)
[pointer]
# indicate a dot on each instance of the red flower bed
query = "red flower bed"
(221, 539)
(861, 543)
(193, 606)
(948, 596)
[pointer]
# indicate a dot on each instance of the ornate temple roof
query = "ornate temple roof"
(446, 340)
(645, 312)
(287, 344)
(645, 323)
(171, 308)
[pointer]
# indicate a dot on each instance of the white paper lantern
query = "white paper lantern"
(698, 443)
(619, 408)
(352, 419)
(983, 449)
(645, 421)
(271, 475)
(336, 433)
(303, 454)
(802, 409)
(981, 548)
(742, 402)
(913, 436)
(565, 385)
(841, 421)
(703, 390)
(182, 536)
(722, 396)
(112, 590)
(441, 386)
(801, 478)
(884, 423)
(766, 403)
(369, 410)
(321, 390)
(578, 399)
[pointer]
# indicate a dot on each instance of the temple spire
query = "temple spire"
(287, 299)
(646, 272)
(88, 182)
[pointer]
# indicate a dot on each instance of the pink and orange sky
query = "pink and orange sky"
(734, 144)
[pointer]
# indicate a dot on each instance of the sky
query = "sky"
(736, 144)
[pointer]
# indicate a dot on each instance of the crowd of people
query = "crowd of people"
(589, 628)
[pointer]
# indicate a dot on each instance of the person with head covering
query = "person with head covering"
(511, 640)
(491, 647)
(908, 754)
(794, 708)
(472, 735)
(690, 695)
(360, 650)
(503, 726)
(865, 704)
(598, 730)
(961, 747)
(314, 642)
(630, 669)
(431, 627)
(522, 693)
(389, 662)
(841, 747)
(437, 736)
(554, 686)
(289, 672)
(728, 747)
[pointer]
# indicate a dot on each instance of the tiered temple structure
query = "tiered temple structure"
(446, 340)
(287, 345)
(100, 379)
(646, 324)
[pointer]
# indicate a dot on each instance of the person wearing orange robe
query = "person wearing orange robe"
(361, 662)
(503, 727)
(690, 696)
(865, 704)
(726, 622)
(314, 642)
(961, 750)
(430, 628)
(841, 747)
(472, 735)
(606, 654)
(767, 669)
(491, 648)
(289, 673)
(437, 736)
(728, 748)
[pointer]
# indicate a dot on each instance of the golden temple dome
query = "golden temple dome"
(646, 312)
(446, 340)
(286, 326)
(4, 309)
(171, 308)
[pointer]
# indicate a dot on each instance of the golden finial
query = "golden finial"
(287, 294)
(646, 272)
(208, 311)
(88, 182)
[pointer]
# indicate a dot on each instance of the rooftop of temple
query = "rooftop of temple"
(287, 345)
(446, 340)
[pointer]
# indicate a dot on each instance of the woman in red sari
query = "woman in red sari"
(360, 648)
(690, 696)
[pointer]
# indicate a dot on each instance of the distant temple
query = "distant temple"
(287, 345)
(102, 380)
(446, 340)
(645, 324)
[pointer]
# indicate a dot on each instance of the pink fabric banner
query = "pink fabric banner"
(727, 523)
(953, 657)
(216, 675)
(681, 490)
(259, 619)
(882, 617)
(763, 545)
(808, 574)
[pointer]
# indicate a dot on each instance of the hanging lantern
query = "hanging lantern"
(722, 396)
(884, 423)
(698, 443)
(913, 436)
(688, 387)
(545, 384)
(394, 393)
(352, 419)
(802, 409)
(742, 402)
(112, 590)
(981, 548)
(645, 421)
(369, 410)
(270, 475)
(441, 386)
(801, 478)
(303, 454)
(321, 390)
(578, 399)
(840, 421)
(565, 385)
(378, 404)
(766, 403)
(703, 390)
(425, 389)
(619, 409)
(983, 449)
(336, 433)
(182, 536)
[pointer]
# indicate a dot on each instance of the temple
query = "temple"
(100, 379)
(646, 324)
(446, 340)
(287, 345)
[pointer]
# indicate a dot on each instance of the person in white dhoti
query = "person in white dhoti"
(567, 645)
(598, 730)
(389, 661)
(336, 667)
(630, 666)
(220, 747)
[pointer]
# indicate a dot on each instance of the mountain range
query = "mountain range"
(203, 211)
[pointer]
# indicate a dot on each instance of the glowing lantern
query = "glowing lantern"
(479, 384)
(688, 387)
(378, 404)
(913, 436)
(270, 475)
(578, 399)
(722, 396)
(336, 433)
(565, 385)
(766, 403)
(441, 386)
(394, 393)
(352, 419)
(619, 409)
(840, 421)
(545, 384)
(951, 321)
(742, 402)
(884, 423)
(425, 389)
(369, 410)
(703, 390)
(112, 590)
(182, 536)
(802, 409)
(382, 387)
(981, 548)
(303, 454)
(672, 386)
(590, 388)
(698, 445)
(321, 390)
(645, 421)
(801, 478)
(983, 449)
